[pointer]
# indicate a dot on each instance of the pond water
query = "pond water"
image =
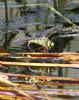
(30, 21)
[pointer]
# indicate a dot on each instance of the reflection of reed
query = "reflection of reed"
(47, 65)
(35, 89)
(42, 54)
(44, 79)
(51, 92)
(70, 57)
(18, 92)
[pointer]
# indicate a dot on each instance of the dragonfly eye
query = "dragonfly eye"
(52, 44)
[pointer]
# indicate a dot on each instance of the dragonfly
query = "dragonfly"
(42, 40)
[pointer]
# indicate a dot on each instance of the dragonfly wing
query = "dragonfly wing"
(19, 40)
(47, 32)
(38, 34)
(53, 30)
